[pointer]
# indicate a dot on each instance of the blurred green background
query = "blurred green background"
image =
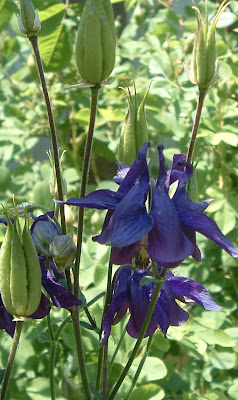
(155, 39)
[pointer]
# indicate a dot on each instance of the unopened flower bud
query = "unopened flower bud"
(28, 20)
(204, 66)
(20, 272)
(43, 231)
(134, 131)
(63, 250)
(96, 41)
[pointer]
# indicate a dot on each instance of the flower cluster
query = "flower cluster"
(166, 234)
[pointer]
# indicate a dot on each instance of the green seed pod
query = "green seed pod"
(96, 41)
(141, 127)
(127, 147)
(134, 131)
(204, 66)
(18, 276)
(5, 259)
(20, 272)
(33, 272)
(28, 20)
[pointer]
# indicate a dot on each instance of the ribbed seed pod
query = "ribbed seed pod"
(5, 260)
(96, 41)
(20, 272)
(33, 272)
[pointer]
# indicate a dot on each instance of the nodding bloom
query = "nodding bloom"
(168, 231)
(130, 295)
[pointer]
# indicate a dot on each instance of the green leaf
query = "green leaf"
(226, 137)
(149, 391)
(233, 390)
(51, 18)
(153, 369)
(216, 336)
(7, 7)
(55, 49)
(223, 360)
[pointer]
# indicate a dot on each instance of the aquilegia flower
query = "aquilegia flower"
(129, 294)
(168, 230)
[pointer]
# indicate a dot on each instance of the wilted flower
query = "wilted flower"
(129, 294)
(168, 231)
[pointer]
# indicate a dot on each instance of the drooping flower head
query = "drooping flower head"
(130, 295)
(168, 230)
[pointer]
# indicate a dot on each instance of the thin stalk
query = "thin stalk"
(11, 358)
(139, 340)
(140, 366)
(202, 94)
(34, 43)
(101, 360)
(84, 181)
(105, 371)
(116, 350)
(52, 357)
(80, 353)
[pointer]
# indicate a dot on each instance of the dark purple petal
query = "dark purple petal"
(114, 314)
(167, 243)
(167, 311)
(60, 296)
(176, 170)
(139, 169)
(139, 305)
(121, 173)
(4, 221)
(207, 227)
(193, 290)
(129, 222)
(6, 320)
(119, 304)
(43, 308)
(123, 255)
(100, 199)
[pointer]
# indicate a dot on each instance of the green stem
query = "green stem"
(105, 370)
(34, 42)
(84, 181)
(80, 353)
(52, 357)
(101, 361)
(11, 358)
(116, 350)
(140, 366)
(202, 94)
(139, 340)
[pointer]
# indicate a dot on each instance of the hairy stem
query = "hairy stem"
(202, 94)
(11, 358)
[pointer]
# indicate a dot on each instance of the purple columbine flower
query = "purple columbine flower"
(168, 231)
(130, 295)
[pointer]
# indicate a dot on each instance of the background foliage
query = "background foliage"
(155, 38)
